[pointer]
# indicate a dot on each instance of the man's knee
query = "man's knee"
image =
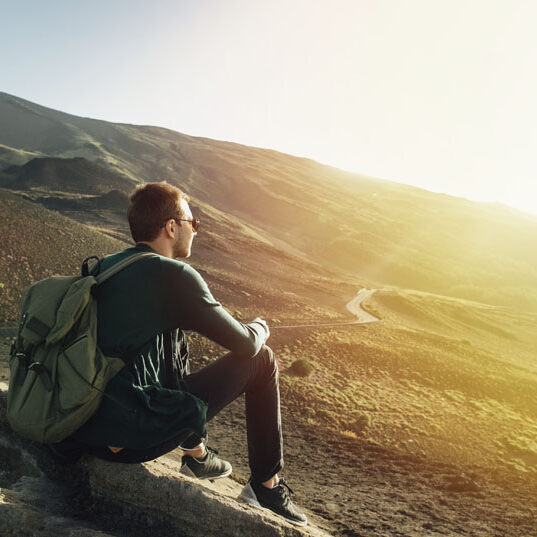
(267, 359)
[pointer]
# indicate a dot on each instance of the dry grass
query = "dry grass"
(437, 395)
(37, 243)
(419, 392)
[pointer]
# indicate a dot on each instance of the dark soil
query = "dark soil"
(356, 489)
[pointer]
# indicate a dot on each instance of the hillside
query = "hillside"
(57, 244)
(366, 228)
(421, 424)
(37, 243)
(65, 175)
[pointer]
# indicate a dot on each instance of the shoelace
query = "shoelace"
(208, 451)
(284, 484)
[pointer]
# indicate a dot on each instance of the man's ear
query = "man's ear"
(170, 228)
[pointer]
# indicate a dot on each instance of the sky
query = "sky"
(435, 93)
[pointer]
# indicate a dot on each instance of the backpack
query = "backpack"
(58, 373)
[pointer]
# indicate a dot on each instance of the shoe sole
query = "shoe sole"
(185, 470)
(248, 496)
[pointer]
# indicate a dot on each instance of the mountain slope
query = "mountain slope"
(37, 243)
(384, 232)
(59, 174)
(400, 420)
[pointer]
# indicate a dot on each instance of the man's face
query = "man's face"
(184, 235)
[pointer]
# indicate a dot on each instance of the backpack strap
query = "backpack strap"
(124, 263)
(171, 375)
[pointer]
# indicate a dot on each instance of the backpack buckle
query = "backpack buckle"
(42, 371)
(23, 357)
(88, 270)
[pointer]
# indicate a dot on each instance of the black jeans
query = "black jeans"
(218, 384)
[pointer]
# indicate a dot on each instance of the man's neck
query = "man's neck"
(161, 247)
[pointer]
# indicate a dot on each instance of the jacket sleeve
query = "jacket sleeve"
(194, 308)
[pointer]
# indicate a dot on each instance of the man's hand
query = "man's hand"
(264, 323)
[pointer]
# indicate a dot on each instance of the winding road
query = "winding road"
(354, 306)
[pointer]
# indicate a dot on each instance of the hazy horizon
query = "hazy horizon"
(434, 95)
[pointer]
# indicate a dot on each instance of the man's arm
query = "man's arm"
(194, 308)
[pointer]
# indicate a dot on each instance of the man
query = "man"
(154, 405)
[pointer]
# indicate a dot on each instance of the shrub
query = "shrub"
(300, 368)
(361, 423)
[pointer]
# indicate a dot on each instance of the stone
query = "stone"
(39, 497)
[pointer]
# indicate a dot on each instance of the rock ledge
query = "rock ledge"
(93, 498)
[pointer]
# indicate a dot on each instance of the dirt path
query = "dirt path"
(354, 306)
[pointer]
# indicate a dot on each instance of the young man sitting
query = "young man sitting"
(155, 404)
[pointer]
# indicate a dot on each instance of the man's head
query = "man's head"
(159, 215)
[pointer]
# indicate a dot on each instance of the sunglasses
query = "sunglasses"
(195, 222)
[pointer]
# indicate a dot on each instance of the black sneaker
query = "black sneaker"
(207, 467)
(276, 499)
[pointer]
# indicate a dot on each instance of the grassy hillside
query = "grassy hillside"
(440, 378)
(450, 372)
(361, 227)
(37, 243)
(464, 395)
(65, 175)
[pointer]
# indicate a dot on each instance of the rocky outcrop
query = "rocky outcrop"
(39, 497)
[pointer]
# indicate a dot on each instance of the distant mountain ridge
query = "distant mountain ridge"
(32, 128)
(387, 233)
(76, 174)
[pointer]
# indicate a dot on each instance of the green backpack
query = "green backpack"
(58, 373)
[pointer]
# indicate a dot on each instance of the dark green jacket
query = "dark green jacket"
(136, 308)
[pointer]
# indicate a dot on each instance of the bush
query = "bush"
(361, 423)
(300, 368)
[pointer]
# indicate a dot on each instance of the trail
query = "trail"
(354, 306)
